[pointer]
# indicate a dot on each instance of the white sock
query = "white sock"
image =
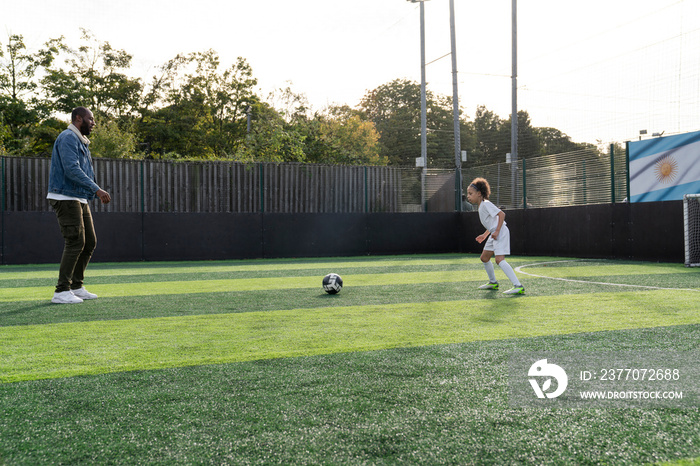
(489, 270)
(508, 270)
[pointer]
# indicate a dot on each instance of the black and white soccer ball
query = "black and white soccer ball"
(332, 283)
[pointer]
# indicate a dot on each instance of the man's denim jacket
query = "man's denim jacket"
(71, 172)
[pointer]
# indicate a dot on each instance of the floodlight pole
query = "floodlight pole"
(423, 106)
(423, 111)
(514, 109)
(455, 111)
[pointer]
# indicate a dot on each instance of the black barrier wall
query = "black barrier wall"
(644, 231)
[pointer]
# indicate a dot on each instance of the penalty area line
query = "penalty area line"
(520, 270)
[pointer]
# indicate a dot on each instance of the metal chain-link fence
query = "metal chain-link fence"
(574, 178)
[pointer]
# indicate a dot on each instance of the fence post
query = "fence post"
(262, 188)
(612, 172)
(366, 192)
(142, 187)
(2, 188)
(585, 186)
(458, 189)
(2, 211)
(524, 183)
(498, 184)
(627, 169)
(143, 220)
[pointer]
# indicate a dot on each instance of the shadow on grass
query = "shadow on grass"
(327, 296)
(13, 310)
(497, 308)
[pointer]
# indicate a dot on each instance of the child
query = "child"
(493, 219)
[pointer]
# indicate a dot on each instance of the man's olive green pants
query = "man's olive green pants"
(78, 231)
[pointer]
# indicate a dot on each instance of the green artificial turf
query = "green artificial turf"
(441, 404)
(250, 362)
(62, 350)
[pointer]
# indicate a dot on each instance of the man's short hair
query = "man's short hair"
(78, 112)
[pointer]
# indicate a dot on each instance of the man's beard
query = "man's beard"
(85, 129)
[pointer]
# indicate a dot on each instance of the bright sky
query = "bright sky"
(575, 58)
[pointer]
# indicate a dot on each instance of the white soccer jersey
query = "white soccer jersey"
(488, 214)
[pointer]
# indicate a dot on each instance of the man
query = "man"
(71, 186)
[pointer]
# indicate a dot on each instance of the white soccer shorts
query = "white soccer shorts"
(500, 246)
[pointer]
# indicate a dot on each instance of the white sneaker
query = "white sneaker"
(489, 286)
(82, 293)
(65, 297)
(516, 290)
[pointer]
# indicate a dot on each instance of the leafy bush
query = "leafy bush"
(110, 141)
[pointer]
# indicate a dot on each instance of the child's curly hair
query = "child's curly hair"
(481, 185)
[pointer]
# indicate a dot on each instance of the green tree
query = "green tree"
(203, 111)
(395, 110)
(339, 135)
(352, 140)
(94, 76)
(294, 107)
(18, 70)
(272, 139)
(4, 135)
(17, 119)
(109, 140)
(43, 135)
(493, 138)
(21, 104)
(179, 128)
(528, 141)
(335, 135)
(553, 141)
(490, 146)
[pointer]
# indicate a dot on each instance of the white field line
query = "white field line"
(520, 270)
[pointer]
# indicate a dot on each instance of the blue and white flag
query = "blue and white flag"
(664, 169)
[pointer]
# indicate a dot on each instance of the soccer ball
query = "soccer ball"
(332, 283)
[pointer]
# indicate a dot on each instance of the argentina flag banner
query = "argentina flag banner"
(664, 169)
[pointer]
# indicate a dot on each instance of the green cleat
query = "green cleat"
(516, 290)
